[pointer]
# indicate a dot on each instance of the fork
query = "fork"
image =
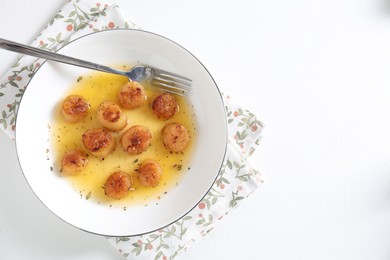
(161, 79)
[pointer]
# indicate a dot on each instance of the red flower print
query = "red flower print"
(235, 114)
(222, 186)
(37, 64)
(9, 105)
(41, 42)
(239, 188)
(18, 78)
(111, 25)
(254, 128)
(201, 205)
(90, 25)
(11, 77)
(139, 242)
(69, 27)
(200, 215)
(13, 127)
(165, 258)
(149, 246)
(97, 4)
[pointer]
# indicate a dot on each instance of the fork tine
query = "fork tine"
(185, 86)
(170, 88)
(177, 77)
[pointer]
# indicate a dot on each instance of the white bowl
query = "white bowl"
(49, 86)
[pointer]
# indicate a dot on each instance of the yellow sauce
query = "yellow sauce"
(96, 88)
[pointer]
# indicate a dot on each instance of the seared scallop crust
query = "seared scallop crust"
(132, 95)
(149, 173)
(136, 139)
(99, 142)
(117, 185)
(73, 162)
(165, 106)
(175, 137)
(110, 115)
(74, 108)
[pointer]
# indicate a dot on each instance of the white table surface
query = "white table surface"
(315, 72)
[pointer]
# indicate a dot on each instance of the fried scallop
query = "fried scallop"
(149, 173)
(74, 108)
(175, 137)
(136, 139)
(110, 115)
(73, 162)
(99, 142)
(117, 185)
(132, 95)
(165, 106)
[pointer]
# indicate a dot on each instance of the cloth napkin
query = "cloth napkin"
(236, 179)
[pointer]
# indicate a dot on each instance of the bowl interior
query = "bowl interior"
(49, 86)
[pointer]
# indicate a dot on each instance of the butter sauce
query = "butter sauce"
(96, 88)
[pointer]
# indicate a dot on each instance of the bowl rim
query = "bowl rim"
(225, 132)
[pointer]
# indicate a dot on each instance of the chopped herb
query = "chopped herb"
(79, 79)
(178, 166)
(88, 196)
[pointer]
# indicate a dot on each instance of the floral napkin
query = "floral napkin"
(236, 179)
(75, 19)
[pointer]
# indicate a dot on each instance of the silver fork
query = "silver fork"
(161, 79)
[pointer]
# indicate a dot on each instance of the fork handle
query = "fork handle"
(40, 53)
